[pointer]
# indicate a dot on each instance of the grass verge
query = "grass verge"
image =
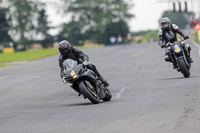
(33, 55)
(4, 65)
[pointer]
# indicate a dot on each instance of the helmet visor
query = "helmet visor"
(165, 25)
(64, 51)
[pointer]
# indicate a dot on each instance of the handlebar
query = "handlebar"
(182, 39)
(170, 44)
(86, 64)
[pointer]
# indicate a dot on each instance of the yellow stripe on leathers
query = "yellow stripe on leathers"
(198, 32)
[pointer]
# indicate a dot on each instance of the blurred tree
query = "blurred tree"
(24, 14)
(43, 29)
(26, 22)
(115, 29)
(94, 16)
(4, 26)
(72, 32)
(179, 18)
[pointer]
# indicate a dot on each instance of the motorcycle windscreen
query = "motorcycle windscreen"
(69, 64)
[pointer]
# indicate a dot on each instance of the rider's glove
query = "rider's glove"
(64, 81)
(168, 44)
(186, 37)
(85, 63)
(162, 46)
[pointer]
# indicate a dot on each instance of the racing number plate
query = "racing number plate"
(73, 74)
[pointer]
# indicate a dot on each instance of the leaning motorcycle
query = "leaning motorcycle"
(85, 82)
(178, 55)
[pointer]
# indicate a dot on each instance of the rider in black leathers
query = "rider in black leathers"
(69, 52)
(167, 34)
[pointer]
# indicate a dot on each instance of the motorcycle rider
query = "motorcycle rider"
(167, 34)
(69, 52)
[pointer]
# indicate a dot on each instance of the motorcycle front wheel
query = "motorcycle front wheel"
(184, 70)
(88, 93)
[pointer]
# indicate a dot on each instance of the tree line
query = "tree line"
(26, 21)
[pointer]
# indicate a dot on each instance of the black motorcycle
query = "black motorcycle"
(179, 57)
(85, 82)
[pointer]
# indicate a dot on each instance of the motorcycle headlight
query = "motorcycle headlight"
(177, 49)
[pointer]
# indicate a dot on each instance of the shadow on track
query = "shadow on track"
(80, 104)
(179, 78)
(88, 104)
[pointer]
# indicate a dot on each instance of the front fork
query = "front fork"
(174, 58)
(187, 49)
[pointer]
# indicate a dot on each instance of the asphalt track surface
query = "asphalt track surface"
(148, 95)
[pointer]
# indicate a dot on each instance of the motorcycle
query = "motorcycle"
(179, 57)
(85, 82)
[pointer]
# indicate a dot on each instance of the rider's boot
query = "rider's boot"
(174, 65)
(187, 46)
(190, 60)
(104, 81)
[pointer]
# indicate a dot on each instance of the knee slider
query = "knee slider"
(167, 58)
(187, 46)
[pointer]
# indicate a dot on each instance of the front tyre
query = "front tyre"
(184, 70)
(88, 93)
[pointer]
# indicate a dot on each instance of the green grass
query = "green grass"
(33, 55)
(4, 65)
(27, 55)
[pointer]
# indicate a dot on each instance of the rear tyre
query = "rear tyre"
(88, 93)
(108, 95)
(184, 70)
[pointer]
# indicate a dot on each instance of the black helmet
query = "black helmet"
(64, 47)
(164, 21)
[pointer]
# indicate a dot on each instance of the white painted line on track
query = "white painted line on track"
(118, 94)
(197, 45)
(136, 54)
